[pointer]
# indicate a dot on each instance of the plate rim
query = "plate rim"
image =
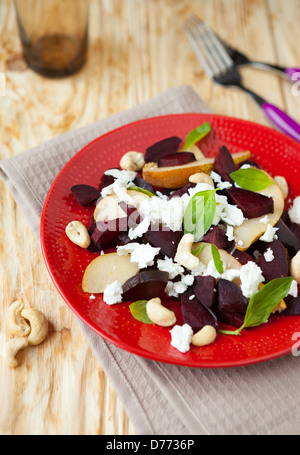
(93, 327)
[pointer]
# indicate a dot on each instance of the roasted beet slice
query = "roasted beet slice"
(176, 159)
(106, 180)
(162, 237)
(218, 237)
(278, 267)
(230, 298)
(106, 233)
(205, 289)
(181, 191)
(242, 256)
(293, 307)
(85, 194)
(132, 213)
(146, 285)
(251, 204)
(161, 148)
(194, 313)
(224, 164)
(287, 237)
(234, 319)
(141, 183)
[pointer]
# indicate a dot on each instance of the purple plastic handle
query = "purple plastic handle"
(282, 121)
(293, 73)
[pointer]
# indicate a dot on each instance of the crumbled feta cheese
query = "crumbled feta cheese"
(113, 293)
(270, 234)
(230, 274)
(124, 250)
(162, 211)
(124, 176)
(92, 297)
(188, 280)
(212, 271)
(192, 297)
(219, 182)
(294, 211)
(229, 233)
(200, 270)
(251, 277)
(245, 166)
(181, 337)
(294, 289)
(232, 215)
(144, 255)
(264, 220)
(268, 255)
(140, 229)
(167, 265)
(120, 189)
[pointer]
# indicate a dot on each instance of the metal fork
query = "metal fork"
(220, 67)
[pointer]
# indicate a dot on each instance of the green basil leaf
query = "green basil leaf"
(196, 252)
(199, 214)
(262, 303)
(140, 190)
(196, 135)
(138, 311)
(217, 259)
(251, 179)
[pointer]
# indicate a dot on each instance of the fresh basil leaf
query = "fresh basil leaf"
(198, 251)
(217, 258)
(262, 303)
(199, 214)
(251, 179)
(140, 190)
(138, 311)
(196, 135)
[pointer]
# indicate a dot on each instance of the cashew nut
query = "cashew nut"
(38, 323)
(78, 234)
(282, 183)
(132, 161)
(15, 322)
(204, 336)
(11, 349)
(159, 314)
(201, 177)
(184, 256)
(295, 267)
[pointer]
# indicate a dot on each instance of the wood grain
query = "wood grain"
(137, 50)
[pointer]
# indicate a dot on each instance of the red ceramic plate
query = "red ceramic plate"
(66, 262)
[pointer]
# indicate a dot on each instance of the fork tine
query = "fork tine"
(217, 60)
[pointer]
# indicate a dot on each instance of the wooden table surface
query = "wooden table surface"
(137, 50)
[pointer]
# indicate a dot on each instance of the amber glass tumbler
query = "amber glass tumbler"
(54, 35)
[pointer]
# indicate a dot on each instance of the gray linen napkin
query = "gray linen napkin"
(163, 399)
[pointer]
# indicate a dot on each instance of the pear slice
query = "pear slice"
(205, 256)
(251, 230)
(178, 176)
(108, 207)
(106, 269)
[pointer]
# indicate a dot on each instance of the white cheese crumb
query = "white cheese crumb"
(232, 215)
(140, 229)
(268, 255)
(167, 265)
(270, 234)
(124, 250)
(181, 337)
(92, 297)
(144, 255)
(251, 277)
(124, 176)
(264, 220)
(294, 289)
(294, 211)
(113, 293)
(229, 233)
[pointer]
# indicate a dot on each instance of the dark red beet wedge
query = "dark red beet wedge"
(141, 183)
(106, 233)
(287, 237)
(242, 256)
(251, 204)
(234, 319)
(230, 298)
(132, 213)
(162, 237)
(293, 307)
(85, 194)
(146, 285)
(176, 159)
(106, 180)
(205, 289)
(224, 164)
(218, 237)
(182, 191)
(194, 313)
(278, 267)
(161, 148)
